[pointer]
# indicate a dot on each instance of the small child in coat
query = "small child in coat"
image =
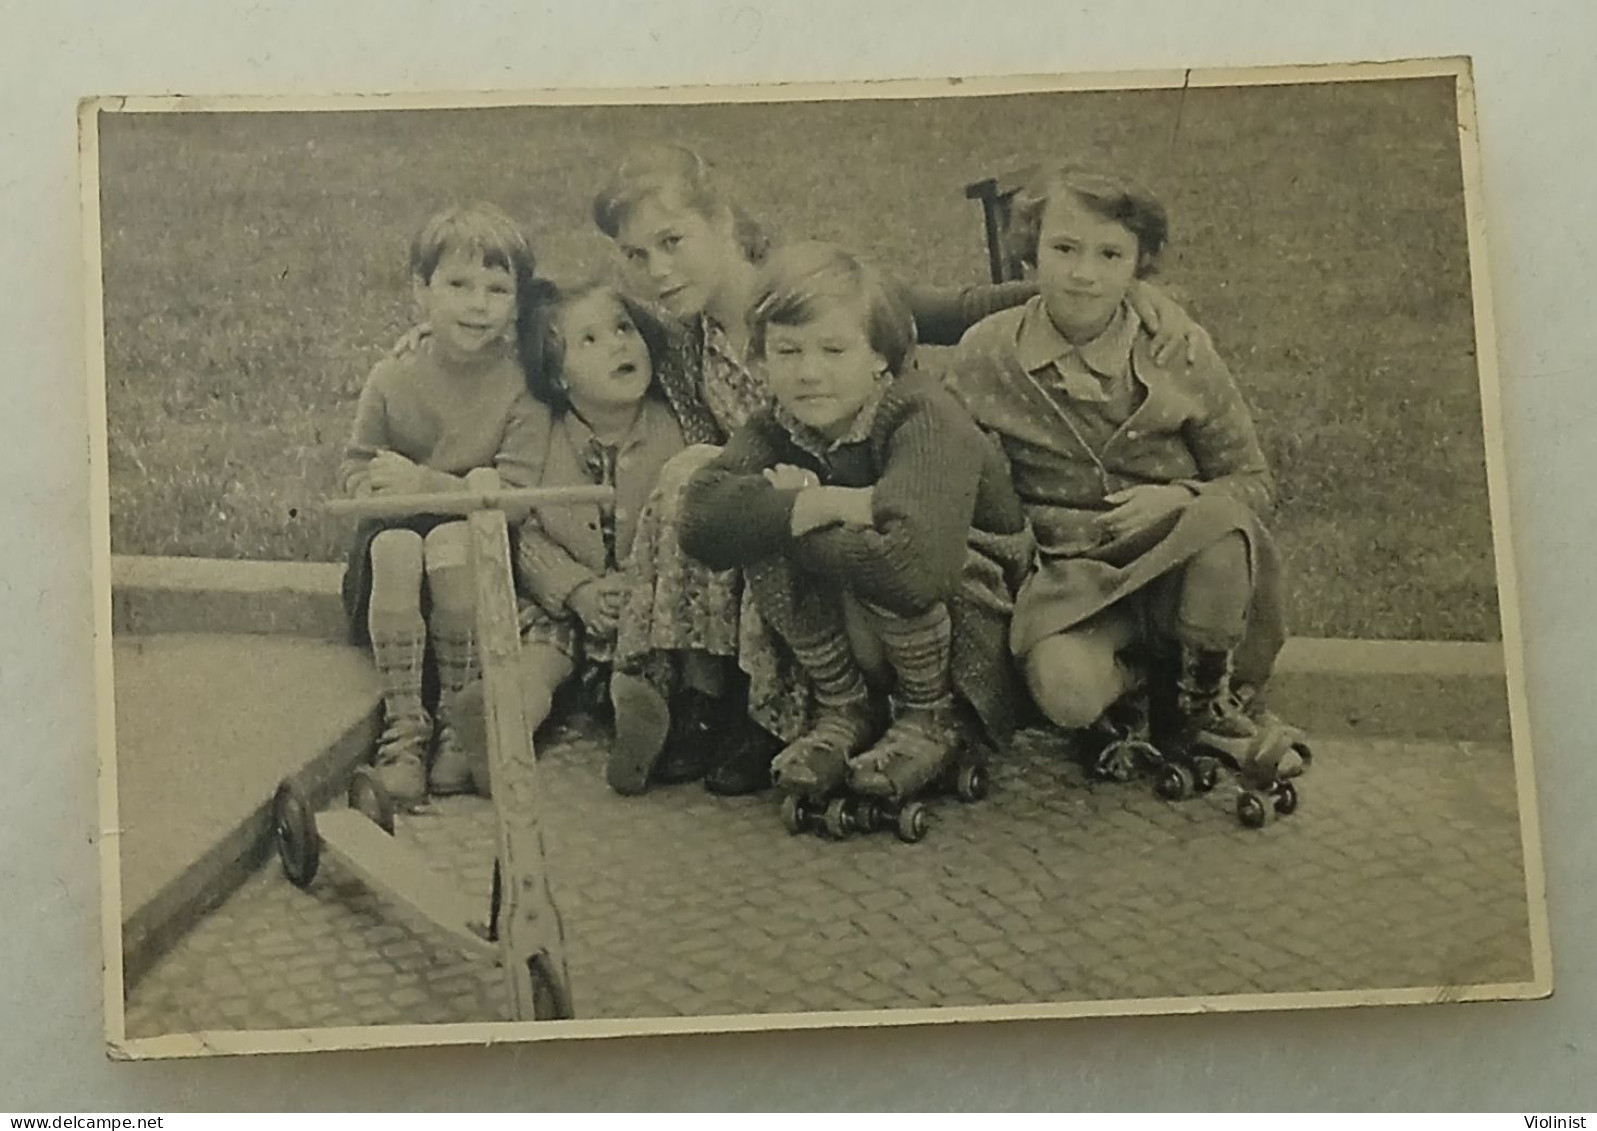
(877, 527)
(590, 363)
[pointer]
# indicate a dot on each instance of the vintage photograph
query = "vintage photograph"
(595, 563)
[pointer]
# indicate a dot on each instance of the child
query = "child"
(590, 363)
(854, 504)
(455, 403)
(1143, 479)
(686, 241)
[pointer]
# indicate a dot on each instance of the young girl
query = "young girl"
(1144, 481)
(455, 403)
(878, 530)
(589, 357)
(686, 244)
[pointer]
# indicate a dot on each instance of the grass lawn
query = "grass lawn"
(254, 269)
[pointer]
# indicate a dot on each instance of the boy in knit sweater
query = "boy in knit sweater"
(455, 403)
(877, 527)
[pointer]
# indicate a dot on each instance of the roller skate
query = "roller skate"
(925, 750)
(1119, 746)
(811, 771)
(1264, 753)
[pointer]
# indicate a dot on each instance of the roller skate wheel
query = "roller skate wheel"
(794, 815)
(1205, 774)
(835, 821)
(1118, 762)
(299, 846)
(1286, 799)
(913, 823)
(370, 799)
(1175, 783)
(869, 815)
(971, 783)
(1252, 809)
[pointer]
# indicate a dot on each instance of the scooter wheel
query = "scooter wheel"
(971, 783)
(1286, 799)
(1252, 810)
(913, 823)
(369, 798)
(1205, 774)
(299, 846)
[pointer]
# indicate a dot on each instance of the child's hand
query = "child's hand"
(786, 477)
(1137, 508)
(1174, 332)
(410, 341)
(597, 604)
(854, 506)
(816, 507)
(392, 474)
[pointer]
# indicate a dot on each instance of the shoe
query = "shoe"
(745, 765)
(642, 724)
(917, 749)
(690, 745)
(816, 763)
(401, 759)
(452, 770)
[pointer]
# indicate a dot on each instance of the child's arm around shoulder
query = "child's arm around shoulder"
(731, 513)
(1223, 438)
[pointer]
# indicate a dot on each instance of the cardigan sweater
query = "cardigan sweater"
(1192, 427)
(560, 548)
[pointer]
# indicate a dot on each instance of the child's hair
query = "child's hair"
(654, 169)
(799, 280)
(543, 347)
(478, 230)
(1108, 195)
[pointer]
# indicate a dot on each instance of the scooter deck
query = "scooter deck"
(401, 874)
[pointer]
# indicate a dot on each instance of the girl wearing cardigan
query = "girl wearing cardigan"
(1143, 479)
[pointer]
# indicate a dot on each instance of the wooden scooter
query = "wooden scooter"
(523, 932)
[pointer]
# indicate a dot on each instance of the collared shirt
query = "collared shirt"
(817, 443)
(1097, 372)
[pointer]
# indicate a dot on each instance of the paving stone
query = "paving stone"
(1055, 889)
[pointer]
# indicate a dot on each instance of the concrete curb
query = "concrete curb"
(1398, 688)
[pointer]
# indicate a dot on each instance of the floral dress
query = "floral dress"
(674, 603)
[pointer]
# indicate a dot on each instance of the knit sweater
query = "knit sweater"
(1192, 427)
(934, 478)
(448, 417)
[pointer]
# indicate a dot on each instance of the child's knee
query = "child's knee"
(1072, 683)
(396, 562)
(446, 554)
(447, 546)
(1220, 565)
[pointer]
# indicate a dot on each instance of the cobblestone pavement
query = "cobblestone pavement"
(1402, 867)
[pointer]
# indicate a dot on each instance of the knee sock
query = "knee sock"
(454, 638)
(399, 647)
(829, 662)
(920, 648)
